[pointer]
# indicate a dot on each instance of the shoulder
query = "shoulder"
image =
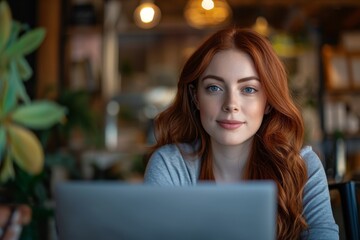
(167, 150)
(174, 154)
(317, 181)
(172, 164)
(312, 160)
(315, 168)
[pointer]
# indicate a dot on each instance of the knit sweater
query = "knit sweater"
(170, 166)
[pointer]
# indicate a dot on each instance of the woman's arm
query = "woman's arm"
(316, 201)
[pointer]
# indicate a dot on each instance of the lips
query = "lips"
(230, 124)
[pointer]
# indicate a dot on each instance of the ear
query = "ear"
(268, 108)
(194, 99)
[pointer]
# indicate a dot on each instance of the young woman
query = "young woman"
(233, 119)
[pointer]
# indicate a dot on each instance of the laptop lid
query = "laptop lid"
(113, 210)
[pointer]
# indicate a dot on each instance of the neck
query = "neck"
(229, 161)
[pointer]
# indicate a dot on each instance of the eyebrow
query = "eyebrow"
(222, 80)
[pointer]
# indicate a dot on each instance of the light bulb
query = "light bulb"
(207, 13)
(261, 26)
(207, 4)
(147, 15)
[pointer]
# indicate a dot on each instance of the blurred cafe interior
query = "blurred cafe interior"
(114, 65)
(114, 71)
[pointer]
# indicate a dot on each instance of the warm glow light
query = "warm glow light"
(207, 13)
(207, 4)
(147, 15)
(261, 26)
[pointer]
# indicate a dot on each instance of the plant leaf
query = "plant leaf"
(26, 43)
(24, 68)
(2, 143)
(7, 171)
(18, 85)
(16, 28)
(39, 114)
(26, 149)
(9, 98)
(5, 24)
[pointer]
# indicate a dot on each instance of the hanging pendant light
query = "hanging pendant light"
(147, 15)
(207, 13)
(261, 26)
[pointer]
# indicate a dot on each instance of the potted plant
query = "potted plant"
(21, 153)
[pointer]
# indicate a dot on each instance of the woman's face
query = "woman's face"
(230, 98)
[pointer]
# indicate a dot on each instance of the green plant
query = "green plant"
(22, 161)
(19, 115)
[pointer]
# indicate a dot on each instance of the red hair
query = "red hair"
(275, 151)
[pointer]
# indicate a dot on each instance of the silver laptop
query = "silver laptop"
(122, 211)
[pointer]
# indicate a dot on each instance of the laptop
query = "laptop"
(119, 210)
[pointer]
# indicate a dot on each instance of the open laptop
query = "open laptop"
(113, 210)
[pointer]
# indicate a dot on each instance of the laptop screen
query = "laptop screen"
(113, 210)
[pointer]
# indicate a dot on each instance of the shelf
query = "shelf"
(343, 91)
(341, 68)
(347, 136)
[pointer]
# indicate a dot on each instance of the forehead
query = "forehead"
(231, 63)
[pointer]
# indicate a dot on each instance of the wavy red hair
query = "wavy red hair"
(275, 152)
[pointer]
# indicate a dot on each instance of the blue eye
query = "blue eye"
(213, 88)
(249, 90)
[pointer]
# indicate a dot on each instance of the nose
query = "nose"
(231, 104)
(230, 108)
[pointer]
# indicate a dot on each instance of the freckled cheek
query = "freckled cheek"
(209, 105)
(253, 109)
(207, 111)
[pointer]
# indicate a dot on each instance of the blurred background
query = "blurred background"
(114, 65)
(114, 71)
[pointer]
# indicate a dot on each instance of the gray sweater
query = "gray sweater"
(170, 166)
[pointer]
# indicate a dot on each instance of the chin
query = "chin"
(232, 143)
